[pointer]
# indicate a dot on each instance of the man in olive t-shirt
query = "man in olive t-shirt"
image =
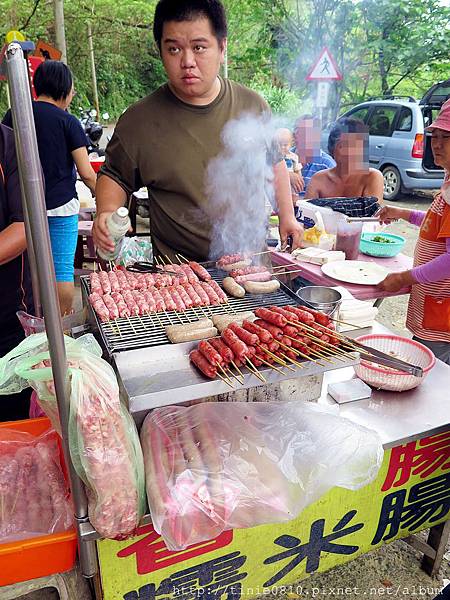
(165, 141)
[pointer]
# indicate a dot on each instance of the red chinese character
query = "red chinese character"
(152, 554)
(423, 458)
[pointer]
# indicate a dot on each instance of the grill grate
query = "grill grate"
(148, 330)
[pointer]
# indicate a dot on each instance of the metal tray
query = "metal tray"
(163, 375)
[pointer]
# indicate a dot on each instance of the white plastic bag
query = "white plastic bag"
(103, 440)
(217, 466)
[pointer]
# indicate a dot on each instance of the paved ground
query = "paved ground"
(393, 570)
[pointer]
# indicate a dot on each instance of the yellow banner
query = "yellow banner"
(411, 492)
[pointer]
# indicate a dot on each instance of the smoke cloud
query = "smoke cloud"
(239, 185)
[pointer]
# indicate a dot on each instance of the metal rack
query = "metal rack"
(149, 330)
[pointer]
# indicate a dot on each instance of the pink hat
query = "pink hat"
(443, 119)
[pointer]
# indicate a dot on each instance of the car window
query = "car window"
(404, 120)
(359, 113)
(381, 119)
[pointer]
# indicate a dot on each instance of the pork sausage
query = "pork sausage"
(178, 334)
(262, 287)
(202, 364)
(233, 288)
(271, 317)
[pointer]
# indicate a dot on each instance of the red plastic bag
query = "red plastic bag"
(34, 497)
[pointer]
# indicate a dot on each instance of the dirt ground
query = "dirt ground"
(393, 570)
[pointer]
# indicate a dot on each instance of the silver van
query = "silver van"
(397, 143)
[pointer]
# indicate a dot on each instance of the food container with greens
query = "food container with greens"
(383, 245)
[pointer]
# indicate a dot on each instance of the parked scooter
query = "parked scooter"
(93, 130)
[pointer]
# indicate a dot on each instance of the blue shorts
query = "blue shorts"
(63, 238)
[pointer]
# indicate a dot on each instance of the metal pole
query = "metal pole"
(60, 32)
(34, 201)
(94, 74)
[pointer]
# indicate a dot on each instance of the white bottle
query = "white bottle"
(118, 224)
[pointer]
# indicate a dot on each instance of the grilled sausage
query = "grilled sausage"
(233, 288)
(202, 364)
(276, 332)
(210, 353)
(251, 339)
(263, 334)
(199, 270)
(178, 334)
(271, 317)
(266, 276)
(238, 347)
(262, 287)
(225, 351)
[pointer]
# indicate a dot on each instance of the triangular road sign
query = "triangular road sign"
(325, 68)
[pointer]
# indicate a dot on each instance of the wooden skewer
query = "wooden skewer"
(238, 370)
(258, 253)
(294, 362)
(312, 332)
(224, 374)
(131, 325)
(182, 258)
(307, 357)
(159, 320)
(228, 370)
(276, 358)
(150, 319)
(266, 362)
(317, 341)
(254, 370)
(225, 380)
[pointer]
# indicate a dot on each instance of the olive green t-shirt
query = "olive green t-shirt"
(164, 144)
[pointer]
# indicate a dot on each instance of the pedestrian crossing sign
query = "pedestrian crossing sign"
(325, 68)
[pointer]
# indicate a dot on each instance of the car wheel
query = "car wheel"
(392, 183)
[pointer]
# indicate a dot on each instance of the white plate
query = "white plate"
(355, 271)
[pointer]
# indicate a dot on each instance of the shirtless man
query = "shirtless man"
(351, 177)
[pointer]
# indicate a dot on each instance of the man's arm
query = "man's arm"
(13, 242)
(288, 225)
(109, 197)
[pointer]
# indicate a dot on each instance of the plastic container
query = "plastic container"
(385, 378)
(118, 224)
(38, 556)
(381, 249)
(320, 297)
(329, 216)
(348, 237)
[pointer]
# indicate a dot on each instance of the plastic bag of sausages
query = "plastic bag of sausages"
(217, 466)
(34, 496)
(103, 440)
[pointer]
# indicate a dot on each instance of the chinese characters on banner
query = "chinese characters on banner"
(411, 492)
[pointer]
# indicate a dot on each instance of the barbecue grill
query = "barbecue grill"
(153, 372)
(147, 331)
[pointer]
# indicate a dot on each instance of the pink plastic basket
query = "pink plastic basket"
(388, 379)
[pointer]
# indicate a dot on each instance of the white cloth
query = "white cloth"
(66, 210)
(356, 312)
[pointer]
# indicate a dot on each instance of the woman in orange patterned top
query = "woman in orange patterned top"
(429, 304)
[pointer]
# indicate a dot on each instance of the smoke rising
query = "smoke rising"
(239, 185)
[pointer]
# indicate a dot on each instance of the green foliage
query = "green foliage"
(381, 46)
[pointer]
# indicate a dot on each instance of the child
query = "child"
(285, 141)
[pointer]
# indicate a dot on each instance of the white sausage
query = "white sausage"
(177, 334)
(233, 288)
(222, 321)
(262, 287)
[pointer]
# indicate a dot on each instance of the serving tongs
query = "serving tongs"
(147, 267)
(380, 358)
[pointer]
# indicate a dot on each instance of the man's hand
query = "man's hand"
(297, 182)
(100, 232)
(290, 228)
(394, 282)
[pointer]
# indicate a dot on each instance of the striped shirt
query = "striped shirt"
(429, 303)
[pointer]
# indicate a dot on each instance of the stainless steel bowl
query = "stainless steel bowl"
(320, 297)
